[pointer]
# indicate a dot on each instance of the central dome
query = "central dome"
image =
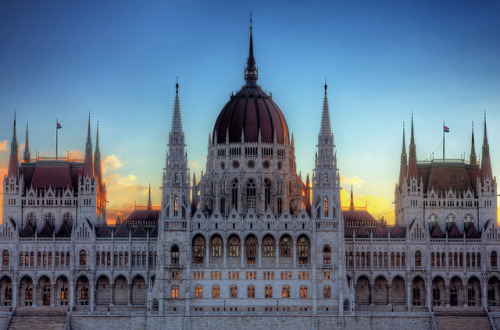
(249, 111)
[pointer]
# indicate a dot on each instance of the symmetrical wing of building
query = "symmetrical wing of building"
(249, 235)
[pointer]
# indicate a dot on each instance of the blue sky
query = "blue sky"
(119, 59)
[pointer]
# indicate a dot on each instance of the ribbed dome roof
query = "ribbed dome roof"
(250, 110)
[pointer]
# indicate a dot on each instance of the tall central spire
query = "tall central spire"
(251, 71)
(176, 118)
(412, 166)
(473, 159)
(485, 157)
(88, 168)
(326, 128)
(403, 170)
(14, 154)
(26, 156)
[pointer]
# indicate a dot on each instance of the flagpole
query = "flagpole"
(443, 141)
(57, 137)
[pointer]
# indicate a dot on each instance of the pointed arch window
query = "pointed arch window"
(50, 219)
(251, 249)
(327, 255)
(268, 246)
(418, 259)
(199, 249)
(493, 256)
(279, 204)
(234, 194)
(267, 193)
(286, 246)
(175, 255)
(251, 195)
(303, 249)
(31, 219)
(234, 246)
(217, 247)
(176, 206)
(326, 207)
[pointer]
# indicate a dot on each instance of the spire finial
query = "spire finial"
(14, 153)
(27, 157)
(326, 86)
(149, 198)
(351, 206)
(176, 85)
(251, 72)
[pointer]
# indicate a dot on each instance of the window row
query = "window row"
(233, 291)
(379, 259)
(122, 258)
(42, 259)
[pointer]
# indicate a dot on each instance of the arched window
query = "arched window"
(251, 291)
(5, 259)
(233, 291)
(234, 194)
(199, 249)
(268, 246)
(494, 260)
(251, 249)
(198, 291)
(327, 255)
(234, 246)
(175, 291)
(403, 259)
(418, 259)
(268, 291)
(250, 195)
(97, 258)
(433, 262)
(286, 291)
(216, 246)
(267, 193)
(303, 249)
(285, 246)
(67, 258)
(174, 253)
(216, 291)
(83, 258)
(325, 207)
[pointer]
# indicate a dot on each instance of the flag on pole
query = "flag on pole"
(59, 126)
(446, 129)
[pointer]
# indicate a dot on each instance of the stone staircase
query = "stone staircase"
(462, 319)
(38, 318)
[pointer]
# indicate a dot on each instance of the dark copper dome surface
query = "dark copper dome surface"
(248, 111)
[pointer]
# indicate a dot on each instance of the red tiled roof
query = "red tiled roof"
(55, 176)
(46, 230)
(64, 231)
(352, 218)
(379, 231)
(397, 232)
(472, 232)
(28, 231)
(121, 231)
(436, 231)
(454, 232)
(445, 176)
(143, 215)
(139, 231)
(104, 231)
(362, 231)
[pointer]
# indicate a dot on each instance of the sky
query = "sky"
(383, 61)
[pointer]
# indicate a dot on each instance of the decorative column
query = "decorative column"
(129, 302)
(408, 297)
(464, 290)
(71, 295)
(52, 295)
(388, 298)
(35, 289)
(447, 296)
(15, 289)
(112, 296)
(92, 295)
(370, 296)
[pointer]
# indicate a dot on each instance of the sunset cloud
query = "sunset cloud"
(3, 145)
(377, 206)
(355, 181)
(112, 162)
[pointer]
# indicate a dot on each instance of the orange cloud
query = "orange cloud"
(355, 181)
(111, 162)
(3, 145)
